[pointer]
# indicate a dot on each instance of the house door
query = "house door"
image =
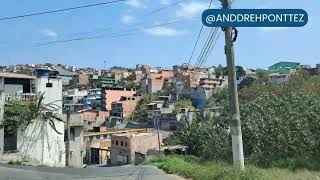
(10, 140)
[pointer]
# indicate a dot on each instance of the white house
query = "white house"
(38, 143)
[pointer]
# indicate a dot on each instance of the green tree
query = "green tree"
(183, 103)
(206, 137)
(20, 114)
(246, 82)
(278, 121)
(141, 108)
(240, 72)
(220, 70)
(262, 74)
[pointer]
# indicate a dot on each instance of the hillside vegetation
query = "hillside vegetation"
(280, 126)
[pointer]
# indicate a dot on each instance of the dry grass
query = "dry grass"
(193, 168)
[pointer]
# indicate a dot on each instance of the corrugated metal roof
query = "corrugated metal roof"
(17, 76)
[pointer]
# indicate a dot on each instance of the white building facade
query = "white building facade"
(39, 143)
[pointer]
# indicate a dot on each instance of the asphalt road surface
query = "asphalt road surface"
(129, 172)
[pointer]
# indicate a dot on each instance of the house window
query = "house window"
(121, 143)
(90, 138)
(72, 138)
(105, 136)
(98, 137)
(126, 144)
(49, 85)
(112, 142)
(117, 143)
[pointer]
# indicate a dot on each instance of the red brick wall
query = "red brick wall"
(92, 115)
(129, 106)
(103, 129)
(89, 115)
(115, 95)
(167, 74)
(103, 114)
(142, 144)
(153, 75)
(83, 79)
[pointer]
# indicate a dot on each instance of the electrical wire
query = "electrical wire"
(199, 34)
(101, 30)
(60, 10)
(206, 44)
(131, 31)
(207, 47)
(164, 7)
(209, 51)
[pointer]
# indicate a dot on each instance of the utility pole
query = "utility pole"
(237, 146)
(157, 120)
(68, 139)
(2, 99)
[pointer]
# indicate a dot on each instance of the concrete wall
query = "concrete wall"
(39, 142)
(136, 143)
(77, 147)
(13, 89)
(155, 85)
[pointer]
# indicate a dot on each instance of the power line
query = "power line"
(125, 33)
(164, 7)
(196, 43)
(209, 45)
(206, 47)
(89, 38)
(60, 10)
(209, 50)
(132, 25)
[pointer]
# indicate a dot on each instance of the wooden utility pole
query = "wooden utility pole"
(237, 146)
(68, 140)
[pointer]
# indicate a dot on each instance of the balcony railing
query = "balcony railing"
(20, 97)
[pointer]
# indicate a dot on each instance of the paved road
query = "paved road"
(142, 172)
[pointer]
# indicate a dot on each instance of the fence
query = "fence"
(20, 97)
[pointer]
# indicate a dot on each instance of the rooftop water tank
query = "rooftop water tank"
(42, 73)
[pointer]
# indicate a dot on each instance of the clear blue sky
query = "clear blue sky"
(161, 46)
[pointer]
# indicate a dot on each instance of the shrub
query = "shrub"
(280, 124)
(15, 162)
